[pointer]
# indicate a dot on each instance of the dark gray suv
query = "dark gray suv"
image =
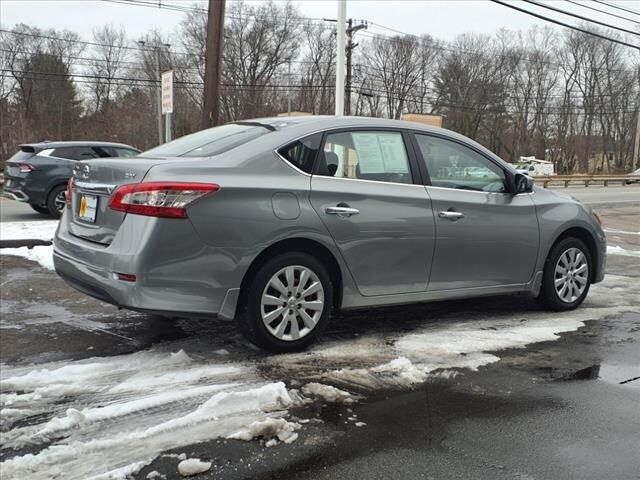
(39, 172)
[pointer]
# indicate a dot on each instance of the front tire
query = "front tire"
(567, 275)
(287, 303)
(57, 201)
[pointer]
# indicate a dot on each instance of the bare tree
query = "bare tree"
(109, 53)
(260, 39)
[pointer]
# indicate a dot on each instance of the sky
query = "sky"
(443, 19)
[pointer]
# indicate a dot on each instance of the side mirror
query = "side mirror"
(523, 183)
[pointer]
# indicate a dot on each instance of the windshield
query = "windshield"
(207, 143)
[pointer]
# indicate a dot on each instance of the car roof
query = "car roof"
(80, 143)
(331, 121)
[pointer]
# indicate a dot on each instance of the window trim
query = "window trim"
(423, 162)
(414, 170)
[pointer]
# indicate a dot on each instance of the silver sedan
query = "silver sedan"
(275, 223)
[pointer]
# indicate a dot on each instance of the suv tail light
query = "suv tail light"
(26, 167)
(69, 195)
(159, 199)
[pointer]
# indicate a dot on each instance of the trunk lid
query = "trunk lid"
(94, 183)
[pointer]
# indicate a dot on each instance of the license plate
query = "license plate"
(88, 208)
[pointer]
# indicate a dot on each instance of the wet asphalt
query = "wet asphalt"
(566, 409)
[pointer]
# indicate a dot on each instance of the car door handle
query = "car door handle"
(341, 211)
(451, 215)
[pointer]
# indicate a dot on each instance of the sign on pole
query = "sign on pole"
(167, 92)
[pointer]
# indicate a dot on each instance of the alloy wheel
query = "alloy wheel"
(571, 275)
(292, 303)
(60, 201)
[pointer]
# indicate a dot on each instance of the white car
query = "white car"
(635, 173)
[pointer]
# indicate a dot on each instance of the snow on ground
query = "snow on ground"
(32, 231)
(111, 416)
(615, 250)
(193, 466)
(28, 230)
(42, 254)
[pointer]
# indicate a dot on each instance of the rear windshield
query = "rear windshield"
(207, 143)
(21, 156)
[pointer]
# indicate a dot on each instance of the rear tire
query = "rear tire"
(57, 201)
(39, 209)
(287, 303)
(567, 275)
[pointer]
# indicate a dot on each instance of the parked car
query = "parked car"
(635, 173)
(39, 172)
(275, 223)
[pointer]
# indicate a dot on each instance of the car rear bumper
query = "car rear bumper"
(24, 189)
(17, 195)
(176, 273)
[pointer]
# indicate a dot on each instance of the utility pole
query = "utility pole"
(350, 46)
(289, 93)
(155, 49)
(636, 145)
(340, 54)
(159, 95)
(213, 64)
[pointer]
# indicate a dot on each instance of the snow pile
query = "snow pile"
(155, 474)
(112, 416)
(193, 466)
(403, 368)
(328, 393)
(270, 429)
(615, 250)
(35, 230)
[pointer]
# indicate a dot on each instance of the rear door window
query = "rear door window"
(365, 155)
(75, 153)
(102, 152)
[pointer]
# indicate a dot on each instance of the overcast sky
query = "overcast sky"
(441, 18)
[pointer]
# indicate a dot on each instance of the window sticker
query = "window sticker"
(380, 152)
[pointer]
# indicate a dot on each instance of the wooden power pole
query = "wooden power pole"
(213, 64)
(349, 51)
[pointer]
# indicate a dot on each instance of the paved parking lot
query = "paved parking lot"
(488, 388)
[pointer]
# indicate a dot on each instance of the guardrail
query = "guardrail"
(587, 179)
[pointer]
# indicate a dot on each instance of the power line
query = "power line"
(150, 81)
(567, 25)
(84, 42)
(583, 5)
(177, 8)
(618, 7)
(575, 15)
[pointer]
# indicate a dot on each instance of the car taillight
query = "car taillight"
(26, 167)
(159, 199)
(69, 191)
